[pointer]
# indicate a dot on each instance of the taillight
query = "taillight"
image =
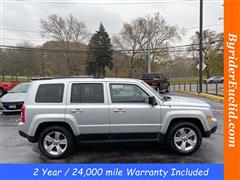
(23, 114)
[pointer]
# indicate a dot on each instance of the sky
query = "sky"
(20, 18)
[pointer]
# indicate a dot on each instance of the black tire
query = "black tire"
(65, 132)
(168, 89)
(174, 129)
(210, 82)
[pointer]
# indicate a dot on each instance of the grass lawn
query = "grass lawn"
(9, 78)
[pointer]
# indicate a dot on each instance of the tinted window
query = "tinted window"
(87, 93)
(127, 93)
(50, 93)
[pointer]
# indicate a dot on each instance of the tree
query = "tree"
(19, 61)
(133, 38)
(3, 63)
(100, 53)
(212, 51)
(26, 61)
(65, 30)
(52, 63)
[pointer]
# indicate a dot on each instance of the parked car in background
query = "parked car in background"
(214, 79)
(14, 99)
(157, 81)
(6, 86)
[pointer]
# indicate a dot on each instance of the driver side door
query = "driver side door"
(131, 117)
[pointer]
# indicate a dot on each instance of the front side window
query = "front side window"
(50, 93)
(127, 93)
(87, 93)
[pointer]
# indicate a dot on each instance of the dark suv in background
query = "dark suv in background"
(158, 81)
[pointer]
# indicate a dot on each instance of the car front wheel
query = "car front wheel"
(184, 138)
(56, 142)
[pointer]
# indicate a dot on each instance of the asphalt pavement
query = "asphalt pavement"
(15, 149)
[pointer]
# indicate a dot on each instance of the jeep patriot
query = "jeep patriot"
(59, 112)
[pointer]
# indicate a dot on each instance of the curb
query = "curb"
(210, 96)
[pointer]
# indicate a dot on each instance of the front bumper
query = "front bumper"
(213, 127)
(1, 107)
(17, 108)
(208, 133)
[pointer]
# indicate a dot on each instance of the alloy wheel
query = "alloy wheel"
(185, 139)
(55, 143)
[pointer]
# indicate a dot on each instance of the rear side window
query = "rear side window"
(87, 93)
(50, 93)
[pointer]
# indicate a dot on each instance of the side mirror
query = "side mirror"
(152, 100)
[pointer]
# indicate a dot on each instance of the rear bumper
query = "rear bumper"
(160, 87)
(29, 138)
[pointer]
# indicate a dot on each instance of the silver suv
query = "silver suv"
(59, 112)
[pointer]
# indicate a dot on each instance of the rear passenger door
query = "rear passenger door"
(87, 106)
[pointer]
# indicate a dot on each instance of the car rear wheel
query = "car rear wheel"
(56, 142)
(184, 138)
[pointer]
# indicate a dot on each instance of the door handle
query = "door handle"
(76, 110)
(119, 110)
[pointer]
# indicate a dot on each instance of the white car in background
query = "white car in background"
(214, 79)
(14, 99)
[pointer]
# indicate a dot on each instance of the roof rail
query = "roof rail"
(65, 77)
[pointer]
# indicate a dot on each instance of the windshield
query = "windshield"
(152, 90)
(21, 88)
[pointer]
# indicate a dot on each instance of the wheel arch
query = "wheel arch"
(44, 125)
(195, 121)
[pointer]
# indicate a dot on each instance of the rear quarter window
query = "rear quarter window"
(50, 93)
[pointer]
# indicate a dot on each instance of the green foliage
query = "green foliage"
(215, 62)
(100, 53)
(212, 51)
